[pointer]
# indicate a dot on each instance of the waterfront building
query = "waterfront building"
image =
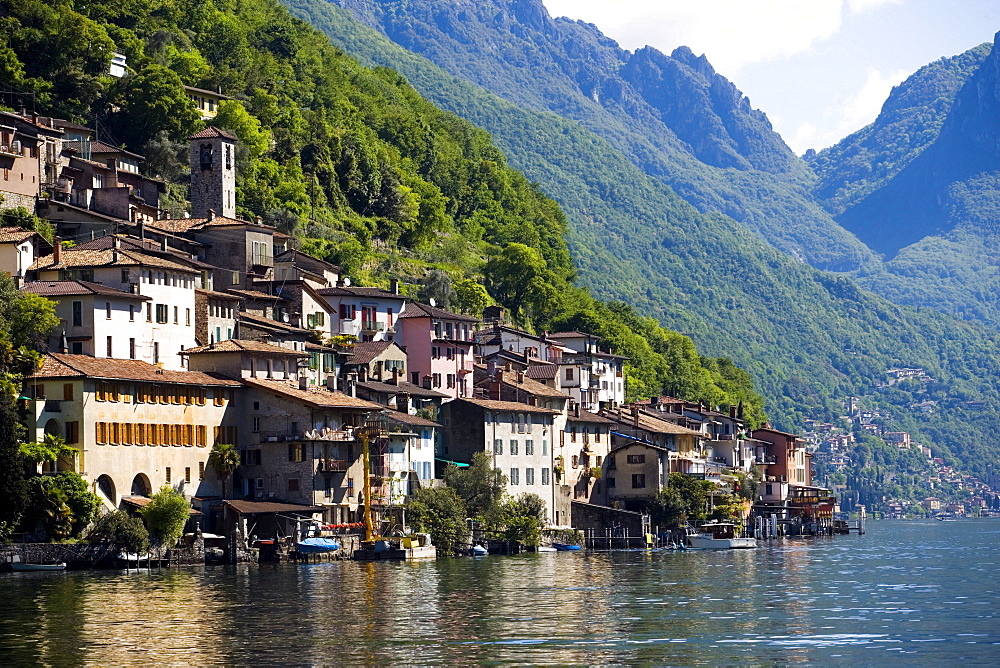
(135, 427)
(412, 441)
(367, 314)
(594, 378)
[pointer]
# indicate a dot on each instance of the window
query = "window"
(109, 347)
(156, 352)
(638, 481)
(545, 476)
(149, 312)
(545, 448)
(768, 490)
(513, 476)
(415, 377)
(293, 484)
(187, 317)
(162, 313)
(513, 447)
(201, 470)
(572, 434)
(611, 482)
(76, 348)
(529, 476)
(107, 310)
(529, 448)
(167, 472)
(449, 353)
(72, 432)
(569, 373)
(576, 461)
(451, 380)
(175, 315)
(388, 317)
(77, 314)
(68, 392)
(256, 424)
(635, 459)
(498, 447)
(131, 312)
(187, 475)
(435, 352)
(202, 437)
(131, 349)
(436, 380)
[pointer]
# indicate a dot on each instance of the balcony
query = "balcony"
(331, 465)
(52, 406)
(327, 434)
(768, 459)
(372, 326)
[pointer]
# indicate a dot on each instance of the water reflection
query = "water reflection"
(895, 593)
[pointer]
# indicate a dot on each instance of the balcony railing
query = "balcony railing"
(331, 465)
(372, 326)
(53, 406)
(769, 459)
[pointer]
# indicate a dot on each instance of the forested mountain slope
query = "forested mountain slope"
(809, 338)
(922, 185)
(673, 117)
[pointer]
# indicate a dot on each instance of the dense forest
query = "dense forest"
(350, 160)
(808, 338)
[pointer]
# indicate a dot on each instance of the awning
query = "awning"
(449, 461)
(143, 501)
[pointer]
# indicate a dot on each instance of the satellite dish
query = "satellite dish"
(347, 282)
(285, 318)
(432, 301)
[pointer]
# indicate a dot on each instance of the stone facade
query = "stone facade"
(212, 159)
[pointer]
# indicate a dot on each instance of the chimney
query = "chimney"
(163, 244)
(211, 214)
(394, 286)
(56, 250)
(352, 384)
(495, 391)
(395, 375)
(258, 220)
(527, 355)
(363, 373)
(303, 383)
(491, 368)
(732, 412)
(116, 241)
(520, 377)
(635, 415)
(576, 410)
(140, 227)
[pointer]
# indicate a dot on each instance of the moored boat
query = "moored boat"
(479, 551)
(720, 536)
(563, 547)
(317, 545)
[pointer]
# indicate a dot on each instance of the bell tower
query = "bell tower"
(212, 160)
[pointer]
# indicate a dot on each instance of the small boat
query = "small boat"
(19, 566)
(479, 551)
(563, 547)
(720, 536)
(317, 545)
(546, 548)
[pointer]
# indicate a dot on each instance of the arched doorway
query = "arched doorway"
(141, 485)
(106, 486)
(53, 428)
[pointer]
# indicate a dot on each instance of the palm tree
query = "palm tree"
(224, 459)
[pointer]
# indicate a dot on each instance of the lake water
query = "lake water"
(907, 592)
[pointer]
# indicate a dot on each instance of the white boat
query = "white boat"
(720, 536)
(19, 566)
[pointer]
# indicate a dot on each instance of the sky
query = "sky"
(819, 69)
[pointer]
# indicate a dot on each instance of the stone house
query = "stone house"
(135, 427)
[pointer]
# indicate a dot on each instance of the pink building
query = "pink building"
(438, 347)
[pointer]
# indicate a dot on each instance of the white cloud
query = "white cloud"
(734, 33)
(848, 113)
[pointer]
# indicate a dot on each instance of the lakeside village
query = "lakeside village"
(209, 357)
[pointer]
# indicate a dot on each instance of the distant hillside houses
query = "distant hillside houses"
(180, 334)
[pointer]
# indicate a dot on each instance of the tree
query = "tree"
(437, 285)
(470, 297)
(480, 486)
(62, 504)
(234, 117)
(47, 451)
(668, 508)
(154, 101)
(13, 490)
(165, 515)
(125, 532)
(693, 493)
(224, 459)
(440, 512)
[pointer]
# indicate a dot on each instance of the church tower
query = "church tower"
(213, 173)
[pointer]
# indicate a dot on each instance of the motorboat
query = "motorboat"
(19, 567)
(563, 547)
(317, 545)
(545, 548)
(719, 536)
(479, 551)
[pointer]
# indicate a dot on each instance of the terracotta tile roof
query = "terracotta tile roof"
(15, 235)
(125, 242)
(211, 132)
(240, 345)
(254, 294)
(572, 335)
(493, 405)
(415, 310)
(305, 261)
(648, 423)
(259, 321)
(106, 258)
(366, 351)
(219, 295)
(100, 147)
(510, 378)
(265, 507)
(414, 420)
(58, 365)
(539, 371)
(587, 416)
(319, 348)
(360, 292)
(402, 388)
(60, 288)
(315, 396)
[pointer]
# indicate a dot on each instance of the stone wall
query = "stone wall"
(76, 555)
(13, 200)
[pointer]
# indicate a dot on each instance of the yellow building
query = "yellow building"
(205, 101)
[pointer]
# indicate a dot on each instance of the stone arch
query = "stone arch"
(107, 487)
(141, 485)
(53, 428)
